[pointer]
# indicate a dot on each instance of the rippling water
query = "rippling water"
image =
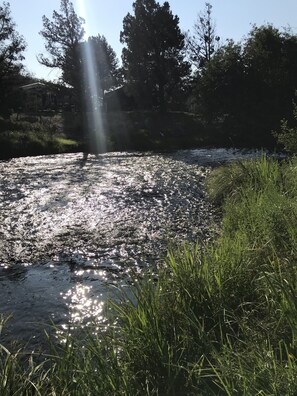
(71, 228)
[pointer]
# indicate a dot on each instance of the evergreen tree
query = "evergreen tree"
(204, 41)
(247, 88)
(153, 57)
(97, 70)
(12, 46)
(271, 80)
(220, 86)
(73, 56)
(104, 57)
(62, 36)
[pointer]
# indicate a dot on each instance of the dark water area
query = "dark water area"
(72, 230)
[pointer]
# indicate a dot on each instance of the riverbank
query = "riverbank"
(33, 136)
(219, 320)
(122, 131)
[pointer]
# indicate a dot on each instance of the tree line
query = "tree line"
(240, 90)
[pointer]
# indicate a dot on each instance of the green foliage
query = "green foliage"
(254, 83)
(260, 203)
(12, 46)
(287, 137)
(224, 75)
(231, 179)
(62, 34)
(89, 67)
(148, 130)
(23, 138)
(124, 131)
(97, 50)
(153, 56)
(19, 144)
(204, 42)
(97, 71)
(19, 375)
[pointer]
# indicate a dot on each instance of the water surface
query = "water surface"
(71, 229)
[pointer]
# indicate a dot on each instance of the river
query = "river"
(71, 230)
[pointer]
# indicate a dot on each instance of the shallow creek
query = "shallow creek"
(71, 230)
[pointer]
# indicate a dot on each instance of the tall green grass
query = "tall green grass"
(20, 143)
(23, 138)
(219, 320)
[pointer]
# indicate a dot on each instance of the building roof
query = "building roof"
(36, 85)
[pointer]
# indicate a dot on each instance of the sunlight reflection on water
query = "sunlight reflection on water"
(70, 233)
(82, 306)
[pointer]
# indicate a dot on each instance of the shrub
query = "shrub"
(287, 137)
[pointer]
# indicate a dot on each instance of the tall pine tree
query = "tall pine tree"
(62, 35)
(153, 56)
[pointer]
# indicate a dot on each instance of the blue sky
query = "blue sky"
(233, 18)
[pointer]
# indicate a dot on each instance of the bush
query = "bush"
(18, 144)
(287, 137)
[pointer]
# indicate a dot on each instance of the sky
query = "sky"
(233, 18)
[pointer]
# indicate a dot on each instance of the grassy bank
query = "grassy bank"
(134, 130)
(20, 138)
(220, 320)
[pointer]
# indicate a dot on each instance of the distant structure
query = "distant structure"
(38, 96)
(118, 99)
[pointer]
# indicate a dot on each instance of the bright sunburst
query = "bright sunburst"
(93, 92)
